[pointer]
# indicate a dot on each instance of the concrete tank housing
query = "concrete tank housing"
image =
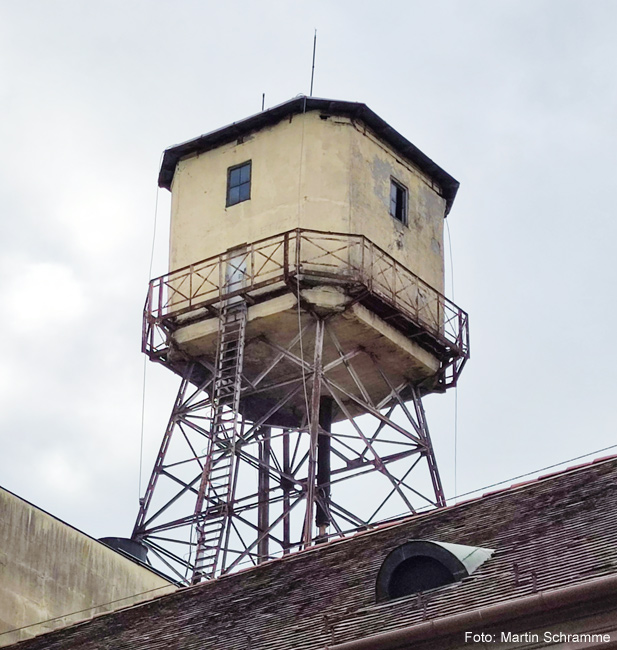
(312, 206)
(322, 169)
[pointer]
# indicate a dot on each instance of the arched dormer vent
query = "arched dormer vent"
(420, 565)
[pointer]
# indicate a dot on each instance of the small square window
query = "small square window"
(239, 183)
(398, 201)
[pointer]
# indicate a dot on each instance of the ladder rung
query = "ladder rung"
(225, 396)
(223, 467)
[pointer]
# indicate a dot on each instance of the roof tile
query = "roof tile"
(547, 534)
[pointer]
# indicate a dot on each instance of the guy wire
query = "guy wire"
(455, 387)
(143, 382)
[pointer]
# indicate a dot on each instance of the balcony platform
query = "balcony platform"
(377, 310)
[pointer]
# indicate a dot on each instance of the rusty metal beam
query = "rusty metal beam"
(313, 431)
(263, 509)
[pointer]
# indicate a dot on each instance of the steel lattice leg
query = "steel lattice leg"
(226, 492)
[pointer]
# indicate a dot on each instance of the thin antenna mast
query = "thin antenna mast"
(313, 68)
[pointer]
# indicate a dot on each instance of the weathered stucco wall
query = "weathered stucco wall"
(418, 245)
(285, 194)
(308, 172)
(52, 575)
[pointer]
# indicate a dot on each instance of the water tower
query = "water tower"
(304, 312)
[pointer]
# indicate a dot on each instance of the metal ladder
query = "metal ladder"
(215, 490)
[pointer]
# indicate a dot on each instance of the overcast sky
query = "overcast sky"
(517, 99)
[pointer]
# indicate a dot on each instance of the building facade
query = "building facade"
(52, 575)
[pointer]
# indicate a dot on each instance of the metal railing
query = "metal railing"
(301, 257)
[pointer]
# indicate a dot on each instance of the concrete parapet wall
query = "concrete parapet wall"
(52, 575)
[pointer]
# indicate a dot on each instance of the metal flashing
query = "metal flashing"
(420, 565)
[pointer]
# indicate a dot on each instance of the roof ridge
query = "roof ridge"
(544, 477)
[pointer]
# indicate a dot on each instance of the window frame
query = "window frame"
(230, 170)
(402, 195)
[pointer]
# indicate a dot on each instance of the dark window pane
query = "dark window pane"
(234, 177)
(245, 173)
(234, 195)
(244, 191)
(398, 201)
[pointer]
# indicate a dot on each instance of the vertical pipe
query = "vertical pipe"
(314, 431)
(263, 496)
(322, 516)
(285, 484)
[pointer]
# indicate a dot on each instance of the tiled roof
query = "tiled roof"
(553, 532)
